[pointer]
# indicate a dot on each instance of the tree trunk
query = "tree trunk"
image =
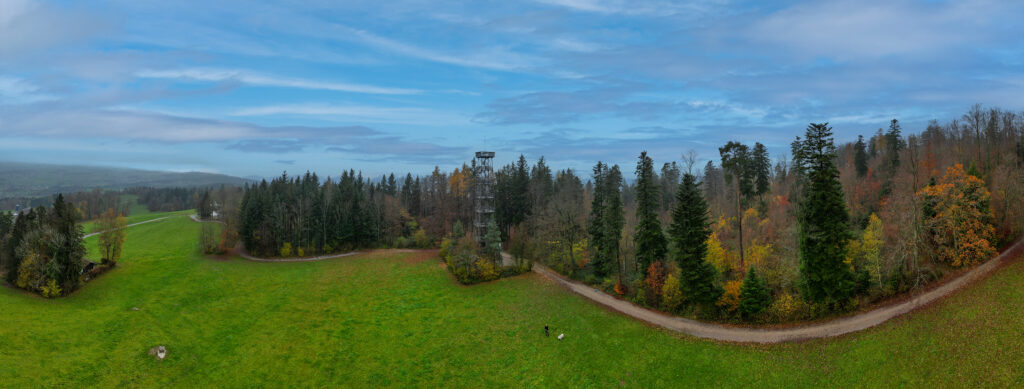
(739, 216)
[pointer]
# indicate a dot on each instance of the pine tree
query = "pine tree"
(860, 157)
(650, 240)
(738, 166)
(824, 276)
(754, 295)
(689, 232)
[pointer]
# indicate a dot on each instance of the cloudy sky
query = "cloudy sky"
(379, 86)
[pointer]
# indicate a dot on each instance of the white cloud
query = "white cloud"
(690, 9)
(361, 113)
(216, 75)
(850, 30)
(19, 91)
(494, 58)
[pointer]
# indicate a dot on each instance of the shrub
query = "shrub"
(671, 296)
(730, 299)
(654, 282)
(286, 250)
(486, 270)
(50, 290)
(421, 239)
(785, 308)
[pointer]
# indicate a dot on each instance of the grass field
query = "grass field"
(137, 213)
(398, 319)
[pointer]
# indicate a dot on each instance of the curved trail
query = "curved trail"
(130, 225)
(243, 254)
(840, 326)
(833, 328)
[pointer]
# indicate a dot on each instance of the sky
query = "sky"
(254, 89)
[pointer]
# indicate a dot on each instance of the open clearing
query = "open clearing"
(385, 319)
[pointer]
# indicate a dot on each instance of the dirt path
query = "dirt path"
(828, 329)
(243, 254)
(130, 225)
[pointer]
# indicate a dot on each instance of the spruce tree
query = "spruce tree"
(596, 223)
(824, 235)
(650, 240)
(894, 143)
(762, 166)
(754, 295)
(689, 232)
(492, 241)
(613, 220)
(860, 157)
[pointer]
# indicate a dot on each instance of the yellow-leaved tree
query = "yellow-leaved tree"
(958, 218)
(112, 237)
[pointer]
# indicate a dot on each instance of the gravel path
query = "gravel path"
(246, 255)
(828, 329)
(130, 225)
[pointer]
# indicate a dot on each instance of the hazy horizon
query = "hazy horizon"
(254, 90)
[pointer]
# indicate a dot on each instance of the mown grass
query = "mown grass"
(392, 319)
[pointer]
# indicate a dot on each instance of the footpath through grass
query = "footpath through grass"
(388, 319)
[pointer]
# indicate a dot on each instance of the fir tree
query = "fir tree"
(458, 231)
(824, 276)
(762, 169)
(860, 157)
(613, 220)
(650, 240)
(596, 223)
(894, 143)
(754, 295)
(492, 241)
(689, 232)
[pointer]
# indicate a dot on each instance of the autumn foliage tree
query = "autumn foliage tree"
(112, 226)
(957, 215)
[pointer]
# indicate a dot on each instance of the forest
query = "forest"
(827, 229)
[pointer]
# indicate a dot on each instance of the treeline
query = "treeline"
(42, 250)
(827, 229)
(871, 217)
(302, 216)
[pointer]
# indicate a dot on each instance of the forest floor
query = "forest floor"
(391, 318)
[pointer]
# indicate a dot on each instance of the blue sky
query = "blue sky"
(380, 86)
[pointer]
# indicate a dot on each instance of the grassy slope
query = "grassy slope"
(382, 319)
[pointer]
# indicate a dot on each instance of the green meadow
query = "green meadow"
(398, 319)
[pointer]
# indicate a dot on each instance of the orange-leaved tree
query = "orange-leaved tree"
(958, 218)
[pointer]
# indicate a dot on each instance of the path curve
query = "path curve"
(840, 326)
(241, 252)
(130, 225)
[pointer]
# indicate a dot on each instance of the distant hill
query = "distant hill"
(38, 180)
